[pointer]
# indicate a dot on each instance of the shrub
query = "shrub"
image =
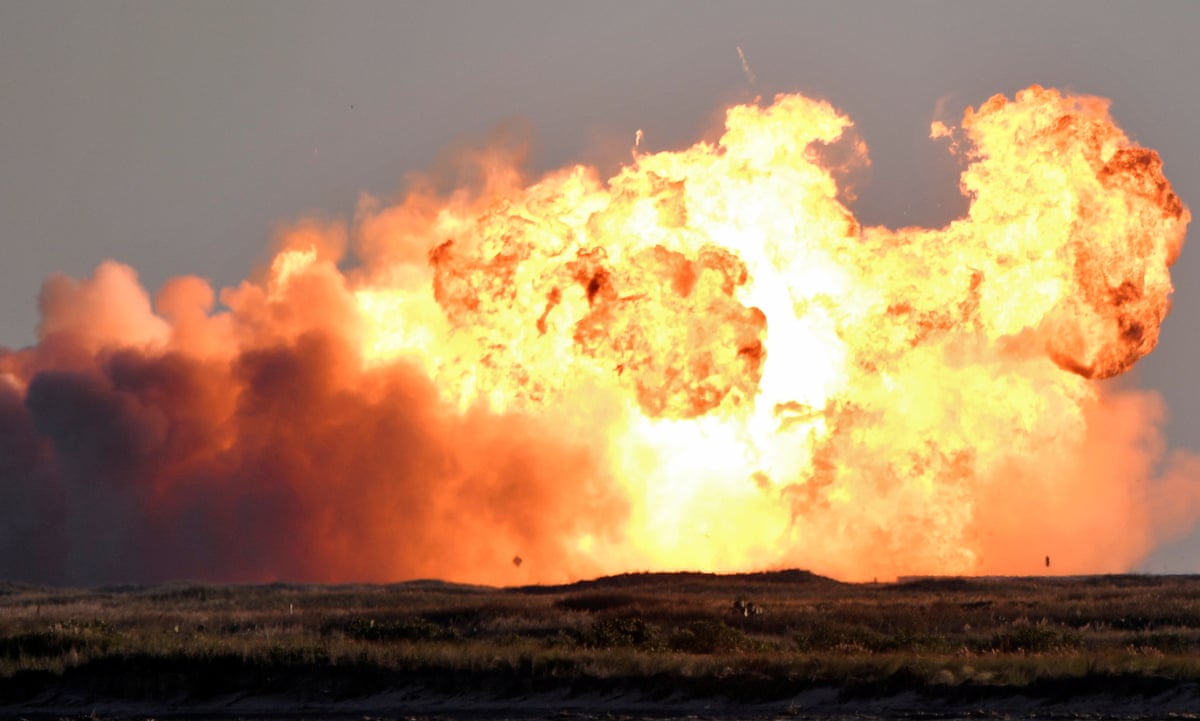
(1165, 642)
(37, 644)
(841, 637)
(403, 629)
(710, 637)
(624, 631)
(62, 638)
(1035, 638)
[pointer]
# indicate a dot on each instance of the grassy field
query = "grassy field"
(745, 638)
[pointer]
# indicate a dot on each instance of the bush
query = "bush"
(1034, 638)
(918, 642)
(841, 637)
(37, 644)
(624, 631)
(403, 629)
(62, 638)
(710, 637)
(1165, 642)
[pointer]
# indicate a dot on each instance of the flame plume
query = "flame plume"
(704, 362)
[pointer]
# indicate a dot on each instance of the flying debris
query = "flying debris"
(750, 77)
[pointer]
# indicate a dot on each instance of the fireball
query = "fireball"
(703, 362)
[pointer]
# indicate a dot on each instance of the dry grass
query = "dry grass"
(755, 637)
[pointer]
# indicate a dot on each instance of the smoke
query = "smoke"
(702, 362)
(251, 446)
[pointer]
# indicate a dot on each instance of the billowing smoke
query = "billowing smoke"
(703, 362)
(251, 445)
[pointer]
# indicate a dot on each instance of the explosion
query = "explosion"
(704, 362)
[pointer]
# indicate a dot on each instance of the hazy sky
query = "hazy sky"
(176, 136)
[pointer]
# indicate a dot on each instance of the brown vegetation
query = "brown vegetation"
(656, 635)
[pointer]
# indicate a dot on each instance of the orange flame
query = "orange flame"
(704, 362)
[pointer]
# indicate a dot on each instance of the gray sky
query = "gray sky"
(175, 136)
